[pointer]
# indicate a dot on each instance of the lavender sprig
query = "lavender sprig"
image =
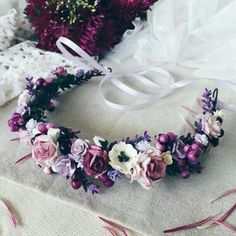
(207, 101)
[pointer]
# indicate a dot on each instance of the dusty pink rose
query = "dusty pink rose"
(79, 148)
(150, 168)
(95, 161)
(45, 150)
(25, 138)
(210, 125)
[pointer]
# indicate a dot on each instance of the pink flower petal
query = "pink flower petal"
(224, 194)
(226, 215)
(114, 225)
(23, 158)
(227, 226)
(189, 226)
(193, 113)
(10, 213)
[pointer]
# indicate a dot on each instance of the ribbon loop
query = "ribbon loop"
(136, 74)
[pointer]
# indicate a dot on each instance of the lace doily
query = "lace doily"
(23, 60)
(8, 27)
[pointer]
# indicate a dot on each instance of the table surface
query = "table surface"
(173, 201)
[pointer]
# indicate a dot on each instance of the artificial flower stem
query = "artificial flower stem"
(23, 158)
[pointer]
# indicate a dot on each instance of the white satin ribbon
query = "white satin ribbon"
(161, 89)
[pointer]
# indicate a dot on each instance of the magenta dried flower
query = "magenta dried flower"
(96, 26)
(16, 122)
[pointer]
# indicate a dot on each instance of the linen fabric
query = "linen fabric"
(173, 201)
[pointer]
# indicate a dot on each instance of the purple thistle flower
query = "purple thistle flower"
(93, 188)
(16, 122)
(30, 86)
(114, 174)
(138, 138)
(80, 73)
(207, 101)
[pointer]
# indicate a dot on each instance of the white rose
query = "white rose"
(201, 138)
(97, 140)
(123, 157)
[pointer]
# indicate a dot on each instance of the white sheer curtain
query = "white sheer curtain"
(198, 34)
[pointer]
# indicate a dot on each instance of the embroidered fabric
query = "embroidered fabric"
(8, 27)
(23, 60)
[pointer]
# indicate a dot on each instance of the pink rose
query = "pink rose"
(25, 138)
(150, 168)
(211, 126)
(79, 148)
(95, 161)
(45, 150)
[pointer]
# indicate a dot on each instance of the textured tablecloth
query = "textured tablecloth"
(173, 201)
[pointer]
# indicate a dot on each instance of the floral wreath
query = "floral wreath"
(61, 150)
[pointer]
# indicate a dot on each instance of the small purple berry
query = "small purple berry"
(181, 162)
(163, 138)
(75, 184)
(50, 106)
(40, 82)
(108, 183)
(195, 147)
(171, 136)
(103, 178)
(184, 174)
(50, 125)
(42, 128)
(192, 156)
(186, 147)
(160, 147)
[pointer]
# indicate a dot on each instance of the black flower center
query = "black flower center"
(122, 157)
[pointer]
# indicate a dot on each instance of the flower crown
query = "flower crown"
(61, 150)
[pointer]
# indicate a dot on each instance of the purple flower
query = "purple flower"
(30, 85)
(114, 174)
(80, 73)
(178, 150)
(65, 166)
(93, 188)
(207, 101)
(16, 122)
